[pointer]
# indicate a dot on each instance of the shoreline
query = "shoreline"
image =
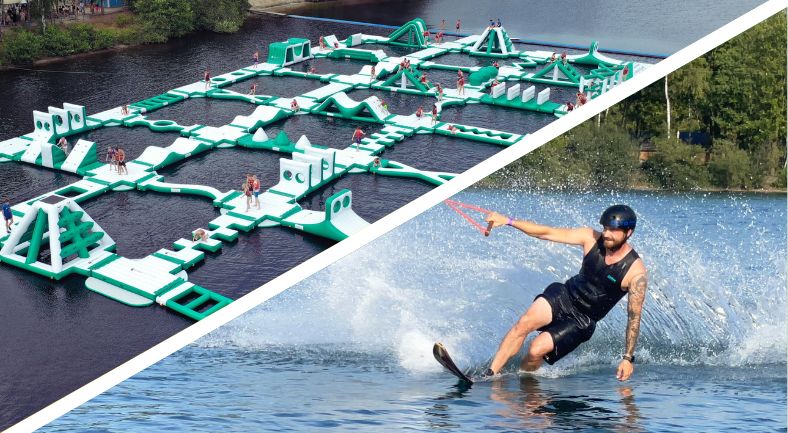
(278, 6)
(57, 59)
(257, 7)
(640, 188)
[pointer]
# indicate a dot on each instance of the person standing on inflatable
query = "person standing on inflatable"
(566, 313)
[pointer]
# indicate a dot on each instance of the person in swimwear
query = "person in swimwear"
(120, 158)
(434, 114)
(358, 134)
(62, 143)
(566, 313)
(199, 235)
(256, 190)
(247, 190)
(8, 215)
(110, 158)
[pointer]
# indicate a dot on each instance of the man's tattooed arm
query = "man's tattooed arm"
(637, 294)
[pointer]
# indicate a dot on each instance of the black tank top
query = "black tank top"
(597, 288)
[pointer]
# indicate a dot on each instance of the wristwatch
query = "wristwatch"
(630, 358)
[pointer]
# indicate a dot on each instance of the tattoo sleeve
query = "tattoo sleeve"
(637, 295)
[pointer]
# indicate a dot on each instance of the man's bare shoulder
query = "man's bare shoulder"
(637, 272)
(589, 236)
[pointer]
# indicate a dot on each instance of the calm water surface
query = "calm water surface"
(640, 25)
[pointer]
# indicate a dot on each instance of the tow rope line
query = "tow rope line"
(456, 207)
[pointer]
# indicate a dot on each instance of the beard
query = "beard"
(612, 244)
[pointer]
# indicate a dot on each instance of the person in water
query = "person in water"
(566, 313)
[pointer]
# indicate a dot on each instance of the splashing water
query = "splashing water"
(716, 293)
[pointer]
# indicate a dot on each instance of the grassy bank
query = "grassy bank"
(147, 22)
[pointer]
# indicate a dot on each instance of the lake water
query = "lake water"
(357, 355)
(641, 26)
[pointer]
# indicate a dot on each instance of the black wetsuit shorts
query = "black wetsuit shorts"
(569, 327)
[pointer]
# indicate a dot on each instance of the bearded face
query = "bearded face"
(613, 238)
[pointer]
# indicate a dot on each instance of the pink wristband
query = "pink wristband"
(510, 222)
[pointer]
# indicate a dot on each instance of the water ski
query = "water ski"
(442, 356)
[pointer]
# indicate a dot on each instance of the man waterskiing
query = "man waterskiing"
(566, 313)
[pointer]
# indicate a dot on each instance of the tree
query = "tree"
(222, 16)
(676, 165)
(689, 90)
(163, 19)
(748, 91)
(729, 166)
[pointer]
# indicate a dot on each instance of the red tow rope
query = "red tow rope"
(456, 205)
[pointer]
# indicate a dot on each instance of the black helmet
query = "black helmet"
(619, 216)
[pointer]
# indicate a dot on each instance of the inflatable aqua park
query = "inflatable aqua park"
(53, 236)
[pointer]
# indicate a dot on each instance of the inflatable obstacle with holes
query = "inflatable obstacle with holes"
(290, 52)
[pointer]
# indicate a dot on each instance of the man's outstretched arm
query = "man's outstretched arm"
(577, 236)
(637, 295)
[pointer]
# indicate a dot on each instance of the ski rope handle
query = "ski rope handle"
(456, 205)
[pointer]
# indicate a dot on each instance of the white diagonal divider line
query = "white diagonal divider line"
(396, 218)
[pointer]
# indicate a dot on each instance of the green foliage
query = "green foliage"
(129, 35)
(749, 85)
(163, 19)
(77, 38)
(25, 46)
(782, 179)
(21, 47)
(221, 16)
(58, 42)
(83, 35)
(643, 114)
(125, 20)
(729, 166)
(689, 90)
(586, 158)
(156, 21)
(676, 165)
(105, 38)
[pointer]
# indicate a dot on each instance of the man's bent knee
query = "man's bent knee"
(541, 346)
(537, 352)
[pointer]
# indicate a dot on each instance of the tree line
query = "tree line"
(151, 21)
(735, 95)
